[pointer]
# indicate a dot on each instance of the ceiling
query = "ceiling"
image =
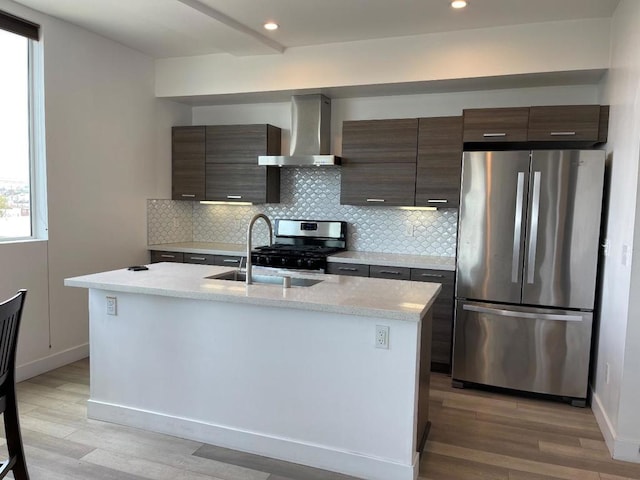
(172, 28)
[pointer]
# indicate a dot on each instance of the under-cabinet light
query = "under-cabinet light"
(211, 202)
(418, 208)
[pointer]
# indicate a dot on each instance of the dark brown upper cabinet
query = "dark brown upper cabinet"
(557, 126)
(379, 162)
(232, 171)
(564, 123)
(188, 163)
(439, 163)
(496, 125)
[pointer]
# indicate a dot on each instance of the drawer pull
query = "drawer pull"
(230, 260)
(188, 195)
(164, 255)
(347, 269)
(492, 135)
(431, 275)
(234, 197)
(202, 259)
(389, 272)
(437, 201)
(562, 134)
(379, 200)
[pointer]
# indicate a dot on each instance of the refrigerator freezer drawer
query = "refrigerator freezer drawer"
(530, 349)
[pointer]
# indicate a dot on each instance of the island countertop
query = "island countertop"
(381, 298)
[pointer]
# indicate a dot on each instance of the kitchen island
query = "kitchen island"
(294, 374)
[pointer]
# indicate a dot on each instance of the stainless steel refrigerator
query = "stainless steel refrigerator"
(526, 270)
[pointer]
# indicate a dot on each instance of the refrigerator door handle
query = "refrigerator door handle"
(533, 242)
(532, 316)
(517, 230)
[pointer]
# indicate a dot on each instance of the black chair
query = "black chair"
(10, 314)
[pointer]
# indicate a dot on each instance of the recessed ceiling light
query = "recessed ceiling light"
(458, 4)
(271, 26)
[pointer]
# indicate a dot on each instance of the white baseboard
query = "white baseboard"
(625, 449)
(46, 364)
(318, 456)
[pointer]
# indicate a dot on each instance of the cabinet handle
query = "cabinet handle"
(188, 195)
(437, 201)
(234, 197)
(167, 256)
(431, 275)
(347, 269)
(389, 272)
(230, 260)
(490, 135)
(202, 259)
(562, 134)
(375, 200)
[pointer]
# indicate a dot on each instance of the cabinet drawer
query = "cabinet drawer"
(394, 273)
(491, 125)
(198, 258)
(162, 256)
(352, 269)
(227, 260)
(564, 123)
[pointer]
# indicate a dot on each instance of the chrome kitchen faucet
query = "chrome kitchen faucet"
(249, 233)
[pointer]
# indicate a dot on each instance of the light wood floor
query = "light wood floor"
(475, 435)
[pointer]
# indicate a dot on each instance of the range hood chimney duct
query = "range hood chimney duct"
(310, 134)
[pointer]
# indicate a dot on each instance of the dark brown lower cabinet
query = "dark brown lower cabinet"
(442, 316)
(162, 256)
(199, 258)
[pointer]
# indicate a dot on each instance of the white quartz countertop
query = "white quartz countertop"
(203, 248)
(375, 297)
(395, 260)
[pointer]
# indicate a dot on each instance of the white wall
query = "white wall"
(513, 50)
(615, 403)
(108, 150)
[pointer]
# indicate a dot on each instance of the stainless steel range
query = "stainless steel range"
(302, 244)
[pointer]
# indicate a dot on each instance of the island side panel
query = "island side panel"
(424, 379)
(303, 386)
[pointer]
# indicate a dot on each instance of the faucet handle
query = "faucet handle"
(240, 263)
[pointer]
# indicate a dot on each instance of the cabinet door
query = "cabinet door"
(161, 256)
(241, 143)
(392, 273)
(439, 162)
(442, 316)
(187, 163)
(351, 269)
(384, 141)
(492, 125)
(564, 123)
(229, 182)
(391, 184)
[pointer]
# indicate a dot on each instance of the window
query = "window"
(18, 99)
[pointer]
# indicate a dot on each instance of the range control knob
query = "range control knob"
(300, 262)
(283, 261)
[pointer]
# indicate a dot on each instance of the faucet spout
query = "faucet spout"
(249, 235)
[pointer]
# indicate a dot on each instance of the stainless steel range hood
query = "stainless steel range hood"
(310, 135)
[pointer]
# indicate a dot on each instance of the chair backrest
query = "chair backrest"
(10, 314)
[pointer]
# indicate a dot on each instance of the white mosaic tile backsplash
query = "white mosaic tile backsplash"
(314, 194)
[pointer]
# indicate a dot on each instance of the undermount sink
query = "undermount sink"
(236, 276)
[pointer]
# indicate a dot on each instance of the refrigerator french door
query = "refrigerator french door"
(526, 269)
